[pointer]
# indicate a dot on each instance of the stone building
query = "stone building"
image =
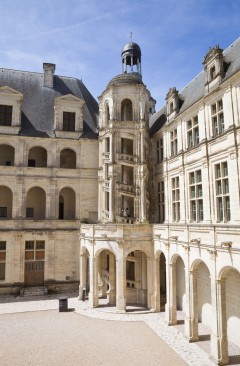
(156, 195)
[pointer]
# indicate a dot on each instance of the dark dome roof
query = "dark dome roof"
(127, 78)
(132, 46)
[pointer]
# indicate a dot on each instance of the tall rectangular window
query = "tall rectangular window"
(2, 260)
(174, 142)
(196, 196)
(160, 150)
(161, 202)
(6, 115)
(68, 121)
(217, 118)
(192, 132)
(175, 199)
(222, 192)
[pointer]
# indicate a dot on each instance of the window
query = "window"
(175, 199)
(3, 212)
(160, 150)
(192, 132)
(195, 194)
(30, 212)
(174, 143)
(2, 260)
(217, 118)
(34, 250)
(171, 107)
(68, 121)
(6, 115)
(161, 202)
(212, 73)
(222, 192)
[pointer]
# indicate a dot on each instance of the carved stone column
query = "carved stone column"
(219, 342)
(93, 294)
(112, 280)
(121, 282)
(82, 274)
(193, 307)
(171, 306)
(156, 300)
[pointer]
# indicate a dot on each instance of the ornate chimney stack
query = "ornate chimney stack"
(48, 76)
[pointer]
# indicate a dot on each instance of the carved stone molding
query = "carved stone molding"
(213, 253)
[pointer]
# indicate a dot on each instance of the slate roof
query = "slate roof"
(38, 101)
(194, 91)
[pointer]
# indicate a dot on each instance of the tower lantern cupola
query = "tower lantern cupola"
(131, 56)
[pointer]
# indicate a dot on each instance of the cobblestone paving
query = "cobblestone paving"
(189, 352)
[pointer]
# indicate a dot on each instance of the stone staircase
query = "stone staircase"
(34, 291)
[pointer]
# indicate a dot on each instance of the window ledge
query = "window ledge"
(74, 135)
(10, 130)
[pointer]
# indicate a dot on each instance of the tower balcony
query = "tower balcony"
(106, 157)
(126, 158)
(128, 189)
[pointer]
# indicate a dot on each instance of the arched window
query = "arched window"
(126, 110)
(68, 159)
(6, 198)
(7, 155)
(37, 157)
(36, 204)
(107, 112)
(67, 204)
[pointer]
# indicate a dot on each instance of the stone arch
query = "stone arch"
(68, 159)
(126, 110)
(6, 202)
(200, 285)
(7, 155)
(67, 204)
(37, 157)
(160, 281)
(229, 285)
(180, 282)
(136, 278)
(36, 203)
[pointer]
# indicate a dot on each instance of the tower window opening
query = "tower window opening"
(126, 110)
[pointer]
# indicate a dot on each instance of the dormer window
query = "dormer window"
(6, 115)
(212, 73)
(173, 102)
(214, 67)
(69, 121)
(68, 116)
(10, 110)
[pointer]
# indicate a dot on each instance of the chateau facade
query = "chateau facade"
(156, 195)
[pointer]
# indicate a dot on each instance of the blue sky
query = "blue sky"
(84, 38)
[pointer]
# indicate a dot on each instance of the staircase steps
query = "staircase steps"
(34, 291)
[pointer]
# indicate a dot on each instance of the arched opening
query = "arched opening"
(7, 154)
(180, 291)
(67, 204)
(126, 110)
(6, 199)
(162, 281)
(230, 314)
(36, 204)
(106, 278)
(136, 278)
(107, 112)
(201, 316)
(68, 159)
(37, 157)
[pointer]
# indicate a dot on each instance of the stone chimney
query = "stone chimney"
(48, 77)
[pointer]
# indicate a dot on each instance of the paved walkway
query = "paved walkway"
(189, 352)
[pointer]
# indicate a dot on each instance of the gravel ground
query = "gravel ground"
(53, 338)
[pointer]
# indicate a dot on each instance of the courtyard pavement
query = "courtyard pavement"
(71, 338)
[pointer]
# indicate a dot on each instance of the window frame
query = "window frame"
(222, 192)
